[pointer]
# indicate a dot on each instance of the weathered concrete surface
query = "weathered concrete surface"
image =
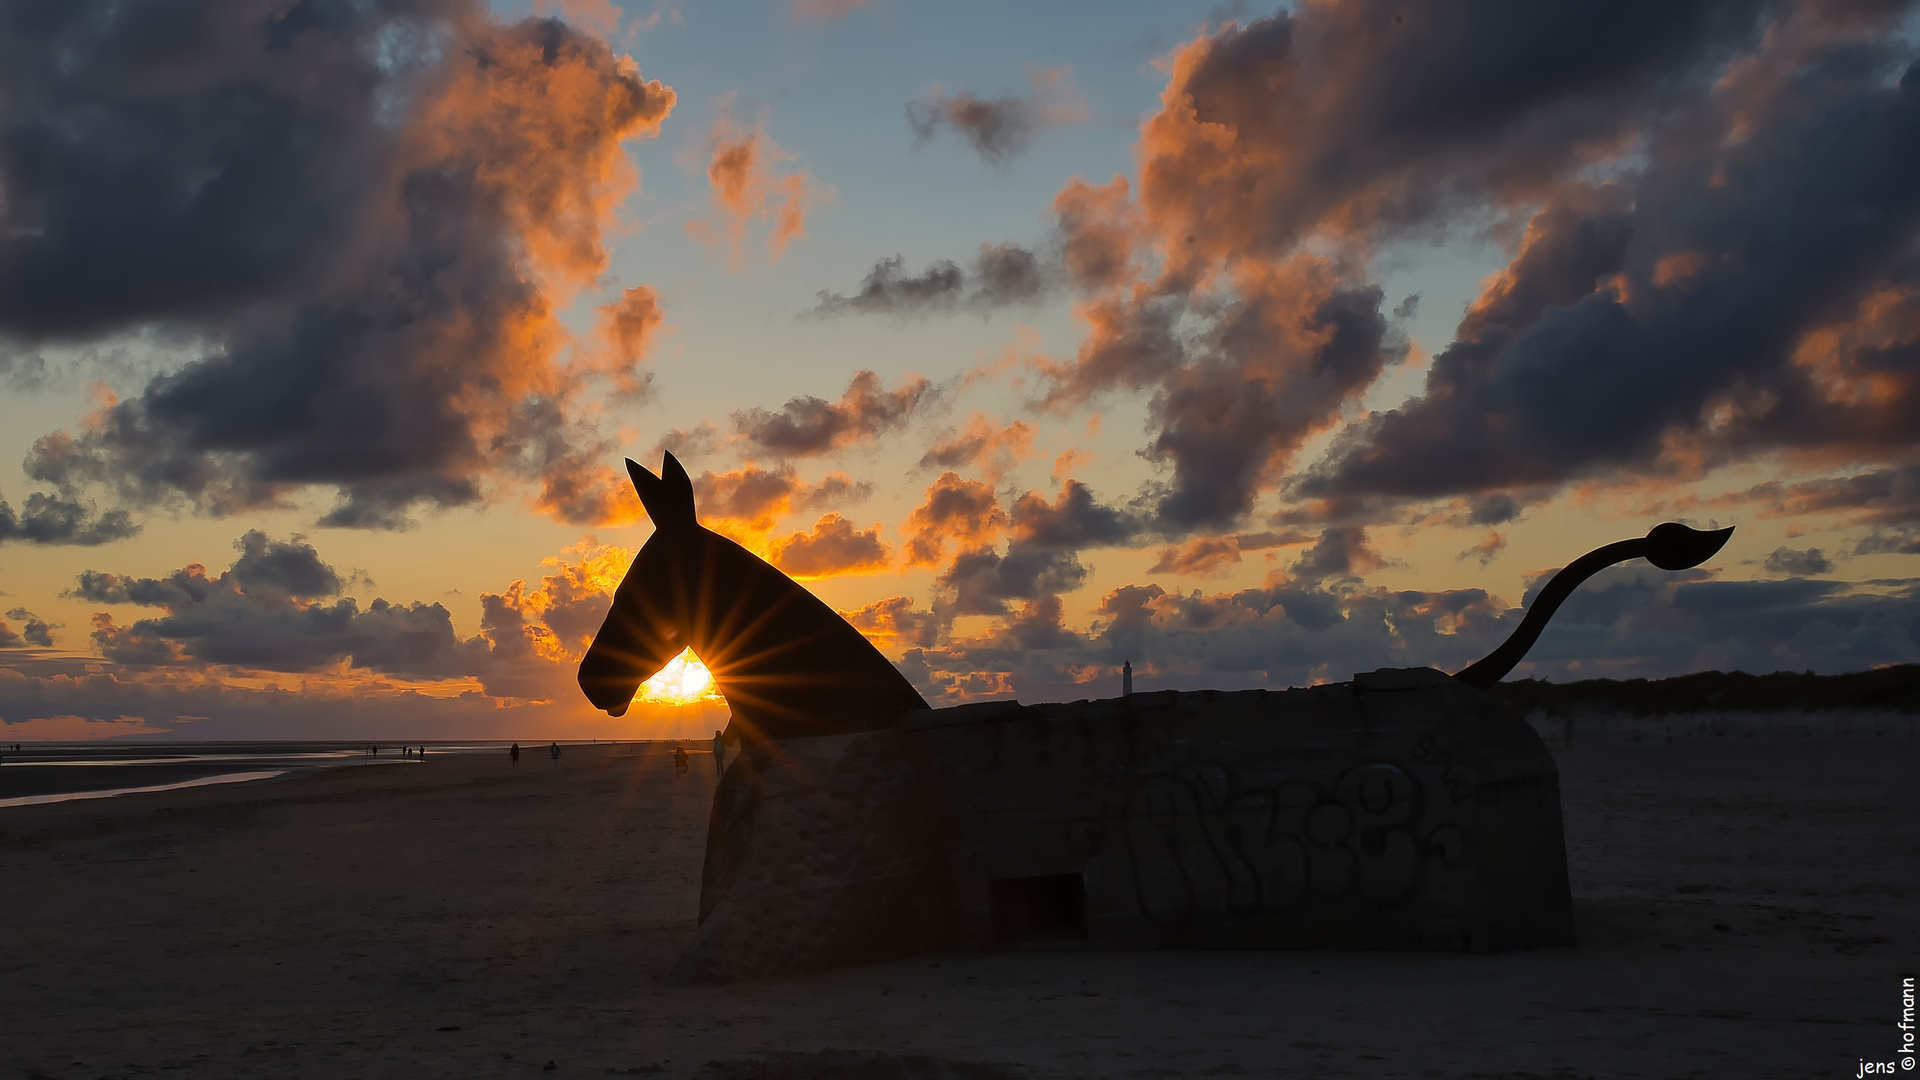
(1400, 811)
(819, 852)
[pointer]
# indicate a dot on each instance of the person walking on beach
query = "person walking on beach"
(514, 754)
(679, 761)
(553, 752)
(719, 753)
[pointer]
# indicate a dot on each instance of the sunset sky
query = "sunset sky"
(1257, 347)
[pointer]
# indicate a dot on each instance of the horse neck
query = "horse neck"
(756, 608)
(771, 625)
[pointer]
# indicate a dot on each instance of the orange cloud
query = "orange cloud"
(425, 366)
(834, 548)
(984, 445)
(543, 133)
(1198, 558)
(628, 326)
(807, 426)
(1487, 550)
(955, 509)
(748, 188)
(1100, 226)
(747, 503)
(893, 622)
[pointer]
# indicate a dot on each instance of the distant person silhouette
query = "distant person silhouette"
(514, 754)
(553, 752)
(719, 753)
(680, 761)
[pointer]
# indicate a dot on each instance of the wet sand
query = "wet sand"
(1745, 909)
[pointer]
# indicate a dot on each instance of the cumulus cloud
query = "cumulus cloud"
(833, 548)
(628, 326)
(51, 519)
(278, 608)
(1000, 128)
(372, 215)
(1098, 226)
(1700, 278)
(1488, 549)
(1208, 556)
(955, 508)
(34, 631)
(1073, 519)
(893, 621)
(1041, 559)
(984, 445)
(269, 611)
(1282, 633)
(1880, 496)
(1297, 629)
(1789, 562)
(747, 503)
(751, 187)
(1748, 291)
(809, 426)
(1002, 274)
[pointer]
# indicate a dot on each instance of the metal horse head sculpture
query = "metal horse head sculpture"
(788, 664)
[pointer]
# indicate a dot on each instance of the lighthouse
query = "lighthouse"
(1126, 679)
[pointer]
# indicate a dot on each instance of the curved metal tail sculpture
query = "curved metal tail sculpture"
(1671, 546)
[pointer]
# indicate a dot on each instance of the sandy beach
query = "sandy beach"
(1745, 908)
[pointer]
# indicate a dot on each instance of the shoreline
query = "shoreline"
(53, 771)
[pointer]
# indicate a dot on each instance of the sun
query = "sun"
(683, 681)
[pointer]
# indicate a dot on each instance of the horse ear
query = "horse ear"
(667, 497)
(652, 491)
(677, 487)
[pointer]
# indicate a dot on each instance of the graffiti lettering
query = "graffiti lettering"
(1202, 844)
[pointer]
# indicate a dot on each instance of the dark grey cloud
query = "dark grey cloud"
(1707, 182)
(347, 201)
(190, 160)
(1259, 386)
(982, 581)
(1074, 520)
(996, 128)
(51, 519)
(1899, 542)
(1003, 274)
(1629, 621)
(269, 611)
(1672, 303)
(1041, 561)
(1789, 562)
(1880, 496)
(34, 631)
(999, 128)
(1377, 117)
(278, 607)
(1286, 634)
(808, 426)
(1635, 618)
(1495, 509)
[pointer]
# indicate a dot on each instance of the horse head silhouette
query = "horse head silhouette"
(787, 663)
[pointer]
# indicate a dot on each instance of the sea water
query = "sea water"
(43, 772)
